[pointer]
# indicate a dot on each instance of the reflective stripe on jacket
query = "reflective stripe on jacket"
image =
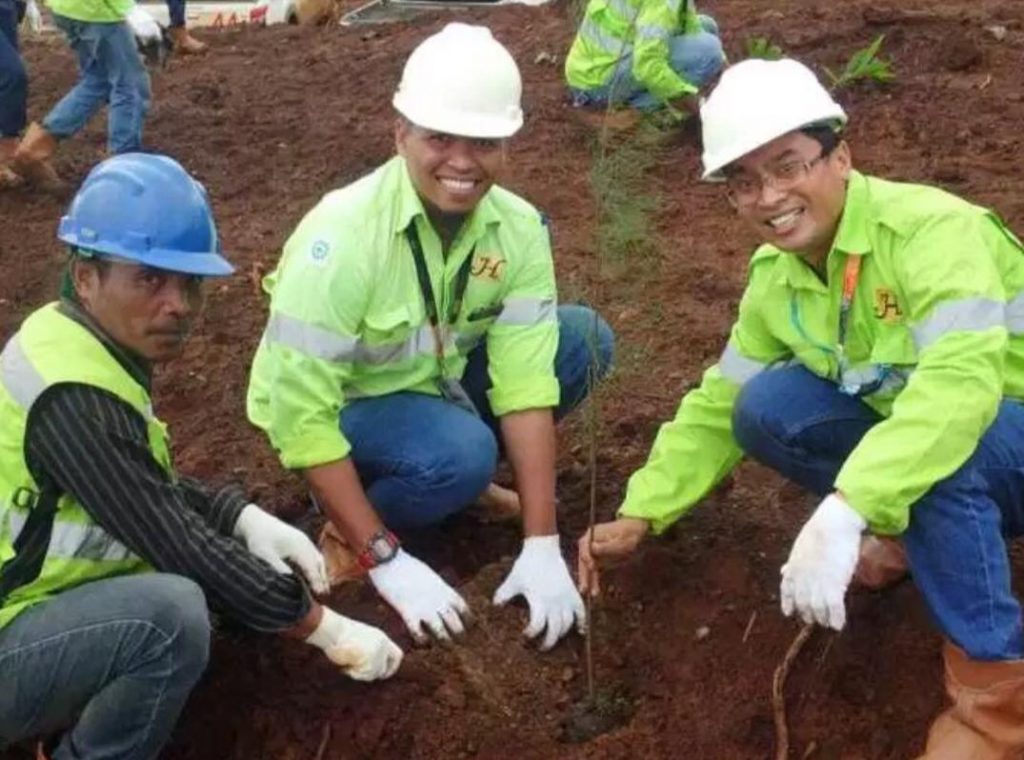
(48, 350)
(940, 303)
(347, 318)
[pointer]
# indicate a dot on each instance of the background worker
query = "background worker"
(109, 557)
(183, 41)
(13, 88)
(102, 33)
(643, 53)
(413, 325)
(878, 360)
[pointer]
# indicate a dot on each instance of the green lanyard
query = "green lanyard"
(427, 291)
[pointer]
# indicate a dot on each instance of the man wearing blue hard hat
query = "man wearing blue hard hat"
(109, 556)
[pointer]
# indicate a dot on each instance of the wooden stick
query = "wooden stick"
(778, 693)
(750, 626)
(324, 739)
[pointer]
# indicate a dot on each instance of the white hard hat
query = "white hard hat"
(464, 82)
(757, 101)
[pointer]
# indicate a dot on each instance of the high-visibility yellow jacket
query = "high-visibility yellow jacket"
(48, 350)
(347, 318)
(940, 300)
(98, 11)
(612, 29)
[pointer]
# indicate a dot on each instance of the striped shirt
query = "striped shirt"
(87, 442)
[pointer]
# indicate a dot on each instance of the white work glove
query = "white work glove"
(420, 596)
(365, 653)
(540, 575)
(144, 26)
(150, 38)
(274, 541)
(821, 564)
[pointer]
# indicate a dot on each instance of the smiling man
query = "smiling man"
(414, 334)
(878, 361)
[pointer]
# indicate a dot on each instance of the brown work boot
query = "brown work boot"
(986, 721)
(185, 42)
(8, 178)
(881, 563)
(342, 565)
(31, 160)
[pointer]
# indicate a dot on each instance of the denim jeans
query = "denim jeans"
(422, 458)
(176, 12)
(695, 57)
(803, 427)
(110, 72)
(110, 662)
(13, 79)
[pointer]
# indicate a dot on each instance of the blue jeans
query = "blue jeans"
(111, 662)
(803, 427)
(176, 12)
(13, 79)
(695, 57)
(110, 72)
(422, 458)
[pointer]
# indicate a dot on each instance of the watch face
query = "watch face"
(382, 548)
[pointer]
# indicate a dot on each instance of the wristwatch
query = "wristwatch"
(381, 547)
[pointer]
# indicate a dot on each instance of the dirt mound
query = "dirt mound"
(689, 632)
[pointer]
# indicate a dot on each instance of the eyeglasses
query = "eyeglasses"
(744, 188)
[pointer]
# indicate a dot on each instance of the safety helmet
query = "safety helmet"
(757, 101)
(146, 208)
(463, 82)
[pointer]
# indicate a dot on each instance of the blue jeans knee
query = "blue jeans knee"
(177, 608)
(586, 350)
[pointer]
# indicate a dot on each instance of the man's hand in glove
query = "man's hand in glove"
(152, 40)
(541, 576)
(821, 564)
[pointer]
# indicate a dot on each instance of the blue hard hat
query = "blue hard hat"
(146, 208)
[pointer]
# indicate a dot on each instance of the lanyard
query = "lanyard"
(851, 275)
(881, 372)
(423, 276)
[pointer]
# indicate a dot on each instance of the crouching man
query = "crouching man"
(878, 361)
(109, 557)
(414, 332)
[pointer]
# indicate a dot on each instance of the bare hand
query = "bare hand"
(611, 540)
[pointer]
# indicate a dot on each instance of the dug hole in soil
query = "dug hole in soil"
(687, 634)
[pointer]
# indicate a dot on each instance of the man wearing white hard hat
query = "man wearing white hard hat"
(877, 360)
(414, 335)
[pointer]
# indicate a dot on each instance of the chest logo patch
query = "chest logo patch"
(887, 307)
(488, 267)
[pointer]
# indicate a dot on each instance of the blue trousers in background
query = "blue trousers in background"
(110, 73)
(802, 426)
(13, 79)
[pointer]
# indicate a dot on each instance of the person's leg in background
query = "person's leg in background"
(696, 57)
(129, 87)
(13, 89)
(183, 41)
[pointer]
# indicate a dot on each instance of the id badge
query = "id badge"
(452, 390)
